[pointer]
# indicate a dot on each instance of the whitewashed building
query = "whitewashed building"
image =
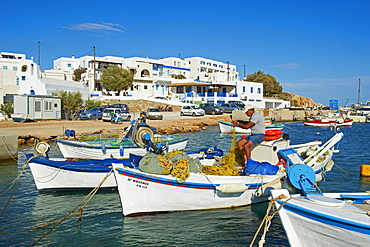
(16, 69)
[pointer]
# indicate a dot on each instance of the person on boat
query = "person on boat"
(257, 125)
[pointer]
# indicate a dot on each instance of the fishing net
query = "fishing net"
(226, 165)
(176, 163)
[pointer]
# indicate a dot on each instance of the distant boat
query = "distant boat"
(20, 117)
(227, 127)
(322, 121)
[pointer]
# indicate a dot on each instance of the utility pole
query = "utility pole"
(228, 70)
(94, 67)
(359, 91)
(244, 71)
(38, 55)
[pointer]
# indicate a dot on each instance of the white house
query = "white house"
(15, 69)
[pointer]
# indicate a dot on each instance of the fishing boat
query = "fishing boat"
(110, 145)
(324, 219)
(60, 174)
(227, 127)
(144, 192)
(328, 122)
(20, 117)
(357, 117)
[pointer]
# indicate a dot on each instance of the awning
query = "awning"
(189, 84)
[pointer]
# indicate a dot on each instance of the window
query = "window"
(48, 106)
(69, 65)
(243, 89)
(209, 64)
(259, 90)
(5, 67)
(156, 87)
(15, 68)
(202, 62)
(23, 78)
(145, 87)
(251, 89)
(37, 106)
(24, 68)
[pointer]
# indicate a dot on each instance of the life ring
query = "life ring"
(272, 137)
(272, 132)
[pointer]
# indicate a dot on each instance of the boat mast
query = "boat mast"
(359, 89)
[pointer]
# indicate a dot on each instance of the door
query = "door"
(38, 109)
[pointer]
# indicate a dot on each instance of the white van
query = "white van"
(191, 110)
(108, 113)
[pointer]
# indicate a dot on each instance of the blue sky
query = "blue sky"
(317, 49)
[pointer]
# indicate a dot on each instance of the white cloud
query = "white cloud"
(100, 27)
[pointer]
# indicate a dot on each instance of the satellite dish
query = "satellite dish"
(42, 148)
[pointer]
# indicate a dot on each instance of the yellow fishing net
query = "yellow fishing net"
(226, 165)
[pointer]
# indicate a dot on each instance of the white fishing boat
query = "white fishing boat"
(324, 220)
(227, 127)
(328, 122)
(143, 192)
(60, 174)
(110, 145)
(57, 174)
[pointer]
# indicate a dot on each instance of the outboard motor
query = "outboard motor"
(154, 148)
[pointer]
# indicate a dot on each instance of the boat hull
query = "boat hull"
(81, 150)
(143, 193)
(319, 123)
(322, 222)
(62, 175)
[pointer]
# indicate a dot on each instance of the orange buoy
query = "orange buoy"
(365, 170)
(272, 137)
(272, 132)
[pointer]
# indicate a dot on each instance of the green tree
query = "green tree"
(116, 79)
(92, 103)
(77, 73)
(7, 109)
(270, 85)
(71, 101)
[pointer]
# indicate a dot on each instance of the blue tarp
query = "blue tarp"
(263, 168)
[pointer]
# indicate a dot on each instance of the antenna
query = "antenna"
(38, 57)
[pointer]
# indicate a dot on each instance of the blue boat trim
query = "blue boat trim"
(117, 147)
(98, 166)
(172, 182)
(327, 219)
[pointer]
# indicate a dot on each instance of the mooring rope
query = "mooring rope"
(7, 149)
(76, 210)
(317, 133)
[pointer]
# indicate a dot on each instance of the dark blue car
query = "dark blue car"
(92, 114)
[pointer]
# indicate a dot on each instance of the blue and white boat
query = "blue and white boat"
(312, 218)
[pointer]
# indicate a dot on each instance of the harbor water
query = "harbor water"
(101, 222)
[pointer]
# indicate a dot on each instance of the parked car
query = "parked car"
(230, 107)
(122, 106)
(238, 103)
(192, 110)
(109, 113)
(92, 114)
(211, 108)
(154, 113)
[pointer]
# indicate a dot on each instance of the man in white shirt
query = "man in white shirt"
(257, 125)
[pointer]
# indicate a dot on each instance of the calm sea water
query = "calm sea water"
(104, 225)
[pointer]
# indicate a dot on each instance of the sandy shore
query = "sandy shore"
(46, 130)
